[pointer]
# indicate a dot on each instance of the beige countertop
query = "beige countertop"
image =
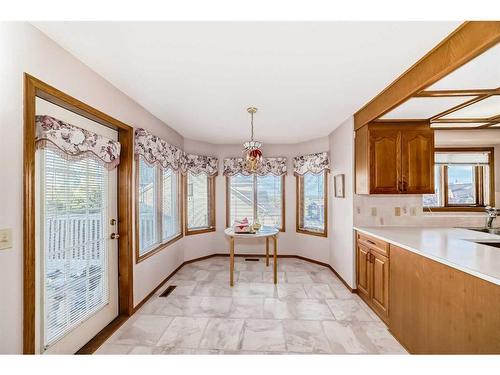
(454, 247)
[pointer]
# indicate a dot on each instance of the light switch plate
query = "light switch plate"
(374, 211)
(5, 238)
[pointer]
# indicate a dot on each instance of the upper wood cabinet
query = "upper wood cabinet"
(417, 161)
(395, 158)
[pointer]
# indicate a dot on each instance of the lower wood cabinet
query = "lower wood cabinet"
(373, 274)
(363, 268)
(437, 309)
(429, 307)
(380, 284)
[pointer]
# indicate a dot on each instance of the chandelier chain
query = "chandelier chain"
(251, 138)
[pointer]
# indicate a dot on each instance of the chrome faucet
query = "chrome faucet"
(491, 213)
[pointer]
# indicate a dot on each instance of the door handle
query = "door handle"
(114, 236)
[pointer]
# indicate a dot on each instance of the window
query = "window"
(312, 204)
(463, 180)
(158, 206)
(256, 197)
(200, 203)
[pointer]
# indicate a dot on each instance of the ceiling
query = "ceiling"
(305, 78)
(469, 97)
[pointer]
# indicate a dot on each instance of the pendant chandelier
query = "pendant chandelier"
(253, 153)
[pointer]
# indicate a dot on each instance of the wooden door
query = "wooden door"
(379, 283)
(363, 270)
(417, 161)
(385, 163)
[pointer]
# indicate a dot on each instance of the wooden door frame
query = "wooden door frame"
(34, 88)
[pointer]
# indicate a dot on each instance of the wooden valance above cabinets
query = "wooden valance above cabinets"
(395, 158)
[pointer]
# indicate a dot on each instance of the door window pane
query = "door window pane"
(269, 200)
(73, 224)
(314, 202)
(170, 202)
(147, 206)
(197, 201)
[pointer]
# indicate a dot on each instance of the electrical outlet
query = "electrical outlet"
(374, 211)
(413, 211)
(358, 210)
(5, 238)
(397, 211)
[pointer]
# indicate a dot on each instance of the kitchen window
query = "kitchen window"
(464, 180)
(258, 198)
(158, 209)
(312, 203)
(200, 203)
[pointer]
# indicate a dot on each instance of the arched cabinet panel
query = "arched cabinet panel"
(395, 158)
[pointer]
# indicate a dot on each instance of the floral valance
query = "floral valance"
(275, 166)
(157, 151)
(315, 163)
(197, 164)
(74, 143)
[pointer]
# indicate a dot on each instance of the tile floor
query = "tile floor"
(309, 311)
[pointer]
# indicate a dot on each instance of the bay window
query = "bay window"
(258, 198)
(158, 208)
(311, 172)
(199, 198)
(312, 203)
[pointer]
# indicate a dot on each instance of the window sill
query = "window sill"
(164, 245)
(453, 209)
(190, 232)
(312, 233)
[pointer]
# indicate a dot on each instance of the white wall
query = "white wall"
(24, 49)
(342, 255)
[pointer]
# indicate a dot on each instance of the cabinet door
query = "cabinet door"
(417, 161)
(363, 270)
(385, 163)
(380, 283)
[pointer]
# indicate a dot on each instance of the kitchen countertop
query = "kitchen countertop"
(450, 246)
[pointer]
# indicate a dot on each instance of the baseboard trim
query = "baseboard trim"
(94, 344)
(297, 257)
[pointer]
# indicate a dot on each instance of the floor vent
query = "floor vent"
(251, 259)
(167, 291)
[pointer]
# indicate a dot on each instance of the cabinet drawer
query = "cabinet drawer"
(374, 243)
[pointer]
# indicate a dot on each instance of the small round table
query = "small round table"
(264, 232)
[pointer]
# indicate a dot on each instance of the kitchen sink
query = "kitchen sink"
(492, 244)
(487, 230)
